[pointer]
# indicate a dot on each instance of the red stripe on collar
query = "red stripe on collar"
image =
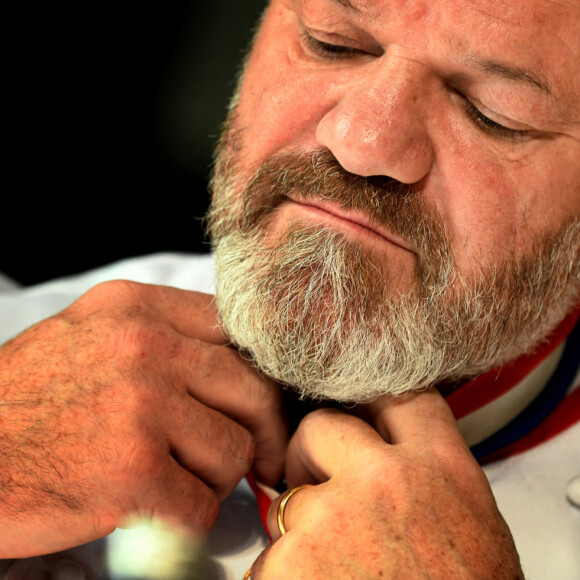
(496, 382)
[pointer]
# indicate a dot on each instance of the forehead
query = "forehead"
(540, 36)
(540, 10)
(537, 35)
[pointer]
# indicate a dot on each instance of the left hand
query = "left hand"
(405, 501)
(127, 404)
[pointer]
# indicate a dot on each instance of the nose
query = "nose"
(377, 122)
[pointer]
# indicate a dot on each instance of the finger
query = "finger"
(421, 416)
(329, 442)
(258, 565)
(295, 556)
(177, 497)
(213, 447)
(219, 378)
(285, 510)
(230, 384)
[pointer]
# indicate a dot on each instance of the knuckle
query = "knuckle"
(197, 354)
(322, 419)
(141, 459)
(142, 340)
(281, 555)
(264, 403)
(242, 447)
(206, 511)
(247, 454)
(327, 506)
(114, 292)
(270, 397)
(105, 521)
(132, 339)
(114, 315)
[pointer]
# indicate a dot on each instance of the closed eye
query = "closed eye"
(328, 50)
(490, 126)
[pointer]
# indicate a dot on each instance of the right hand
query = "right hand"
(407, 500)
(127, 403)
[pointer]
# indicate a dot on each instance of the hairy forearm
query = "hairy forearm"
(35, 483)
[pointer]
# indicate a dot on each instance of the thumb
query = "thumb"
(328, 441)
(422, 416)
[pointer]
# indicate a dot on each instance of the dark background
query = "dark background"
(111, 114)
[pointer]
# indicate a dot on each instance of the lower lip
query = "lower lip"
(343, 223)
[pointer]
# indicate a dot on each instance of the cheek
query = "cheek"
(496, 203)
(278, 115)
(474, 191)
(483, 208)
(280, 102)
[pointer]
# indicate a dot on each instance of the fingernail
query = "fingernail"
(68, 571)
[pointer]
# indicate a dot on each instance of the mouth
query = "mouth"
(353, 222)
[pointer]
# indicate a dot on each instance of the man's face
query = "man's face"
(465, 117)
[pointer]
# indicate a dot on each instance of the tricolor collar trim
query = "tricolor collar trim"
(504, 405)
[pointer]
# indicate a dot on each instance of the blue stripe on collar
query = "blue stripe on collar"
(543, 405)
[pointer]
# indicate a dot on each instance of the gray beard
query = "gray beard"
(315, 311)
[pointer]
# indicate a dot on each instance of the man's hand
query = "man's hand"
(128, 403)
(408, 503)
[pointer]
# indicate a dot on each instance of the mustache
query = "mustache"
(398, 207)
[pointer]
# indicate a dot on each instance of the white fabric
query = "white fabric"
(530, 488)
(489, 419)
(7, 284)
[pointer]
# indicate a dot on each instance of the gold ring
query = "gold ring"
(248, 574)
(282, 506)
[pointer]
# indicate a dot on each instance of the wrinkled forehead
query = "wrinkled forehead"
(536, 35)
(540, 11)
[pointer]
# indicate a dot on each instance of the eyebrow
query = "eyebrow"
(347, 4)
(511, 73)
(490, 66)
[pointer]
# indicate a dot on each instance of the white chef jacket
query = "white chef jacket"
(531, 488)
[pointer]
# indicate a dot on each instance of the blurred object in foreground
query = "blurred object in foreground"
(155, 551)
